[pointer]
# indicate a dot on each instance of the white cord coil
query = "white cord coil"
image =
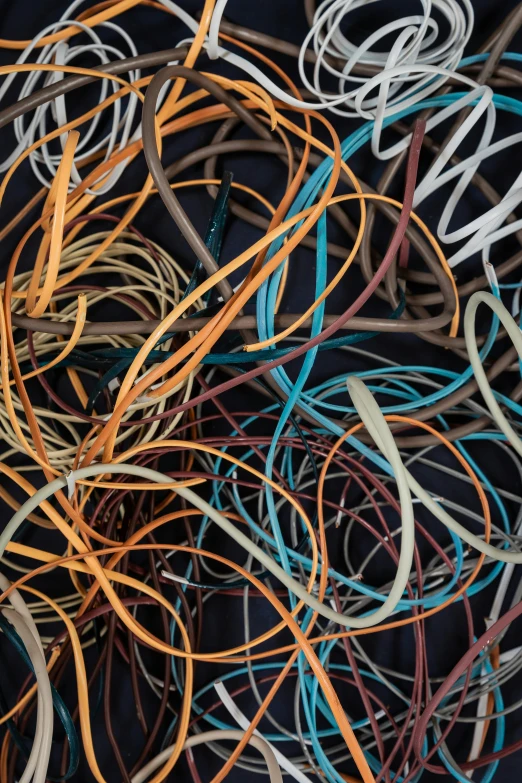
(417, 43)
(44, 161)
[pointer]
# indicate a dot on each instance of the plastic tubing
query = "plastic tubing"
(317, 472)
(257, 742)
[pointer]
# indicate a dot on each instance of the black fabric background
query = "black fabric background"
(446, 634)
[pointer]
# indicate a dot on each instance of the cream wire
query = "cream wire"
(257, 742)
(38, 762)
(375, 422)
(515, 335)
(20, 617)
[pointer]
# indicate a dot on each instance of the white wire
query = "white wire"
(20, 617)
(244, 541)
(416, 65)
(378, 424)
(242, 721)
(44, 708)
(215, 736)
(62, 53)
(471, 345)
(413, 45)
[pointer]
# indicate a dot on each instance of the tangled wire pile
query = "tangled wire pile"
(242, 534)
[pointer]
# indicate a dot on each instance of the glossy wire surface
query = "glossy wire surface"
(261, 383)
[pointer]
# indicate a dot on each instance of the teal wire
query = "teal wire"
(58, 703)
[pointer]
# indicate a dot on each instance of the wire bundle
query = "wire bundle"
(220, 507)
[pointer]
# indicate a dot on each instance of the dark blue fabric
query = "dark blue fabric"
(446, 633)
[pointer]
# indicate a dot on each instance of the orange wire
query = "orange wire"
(60, 207)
